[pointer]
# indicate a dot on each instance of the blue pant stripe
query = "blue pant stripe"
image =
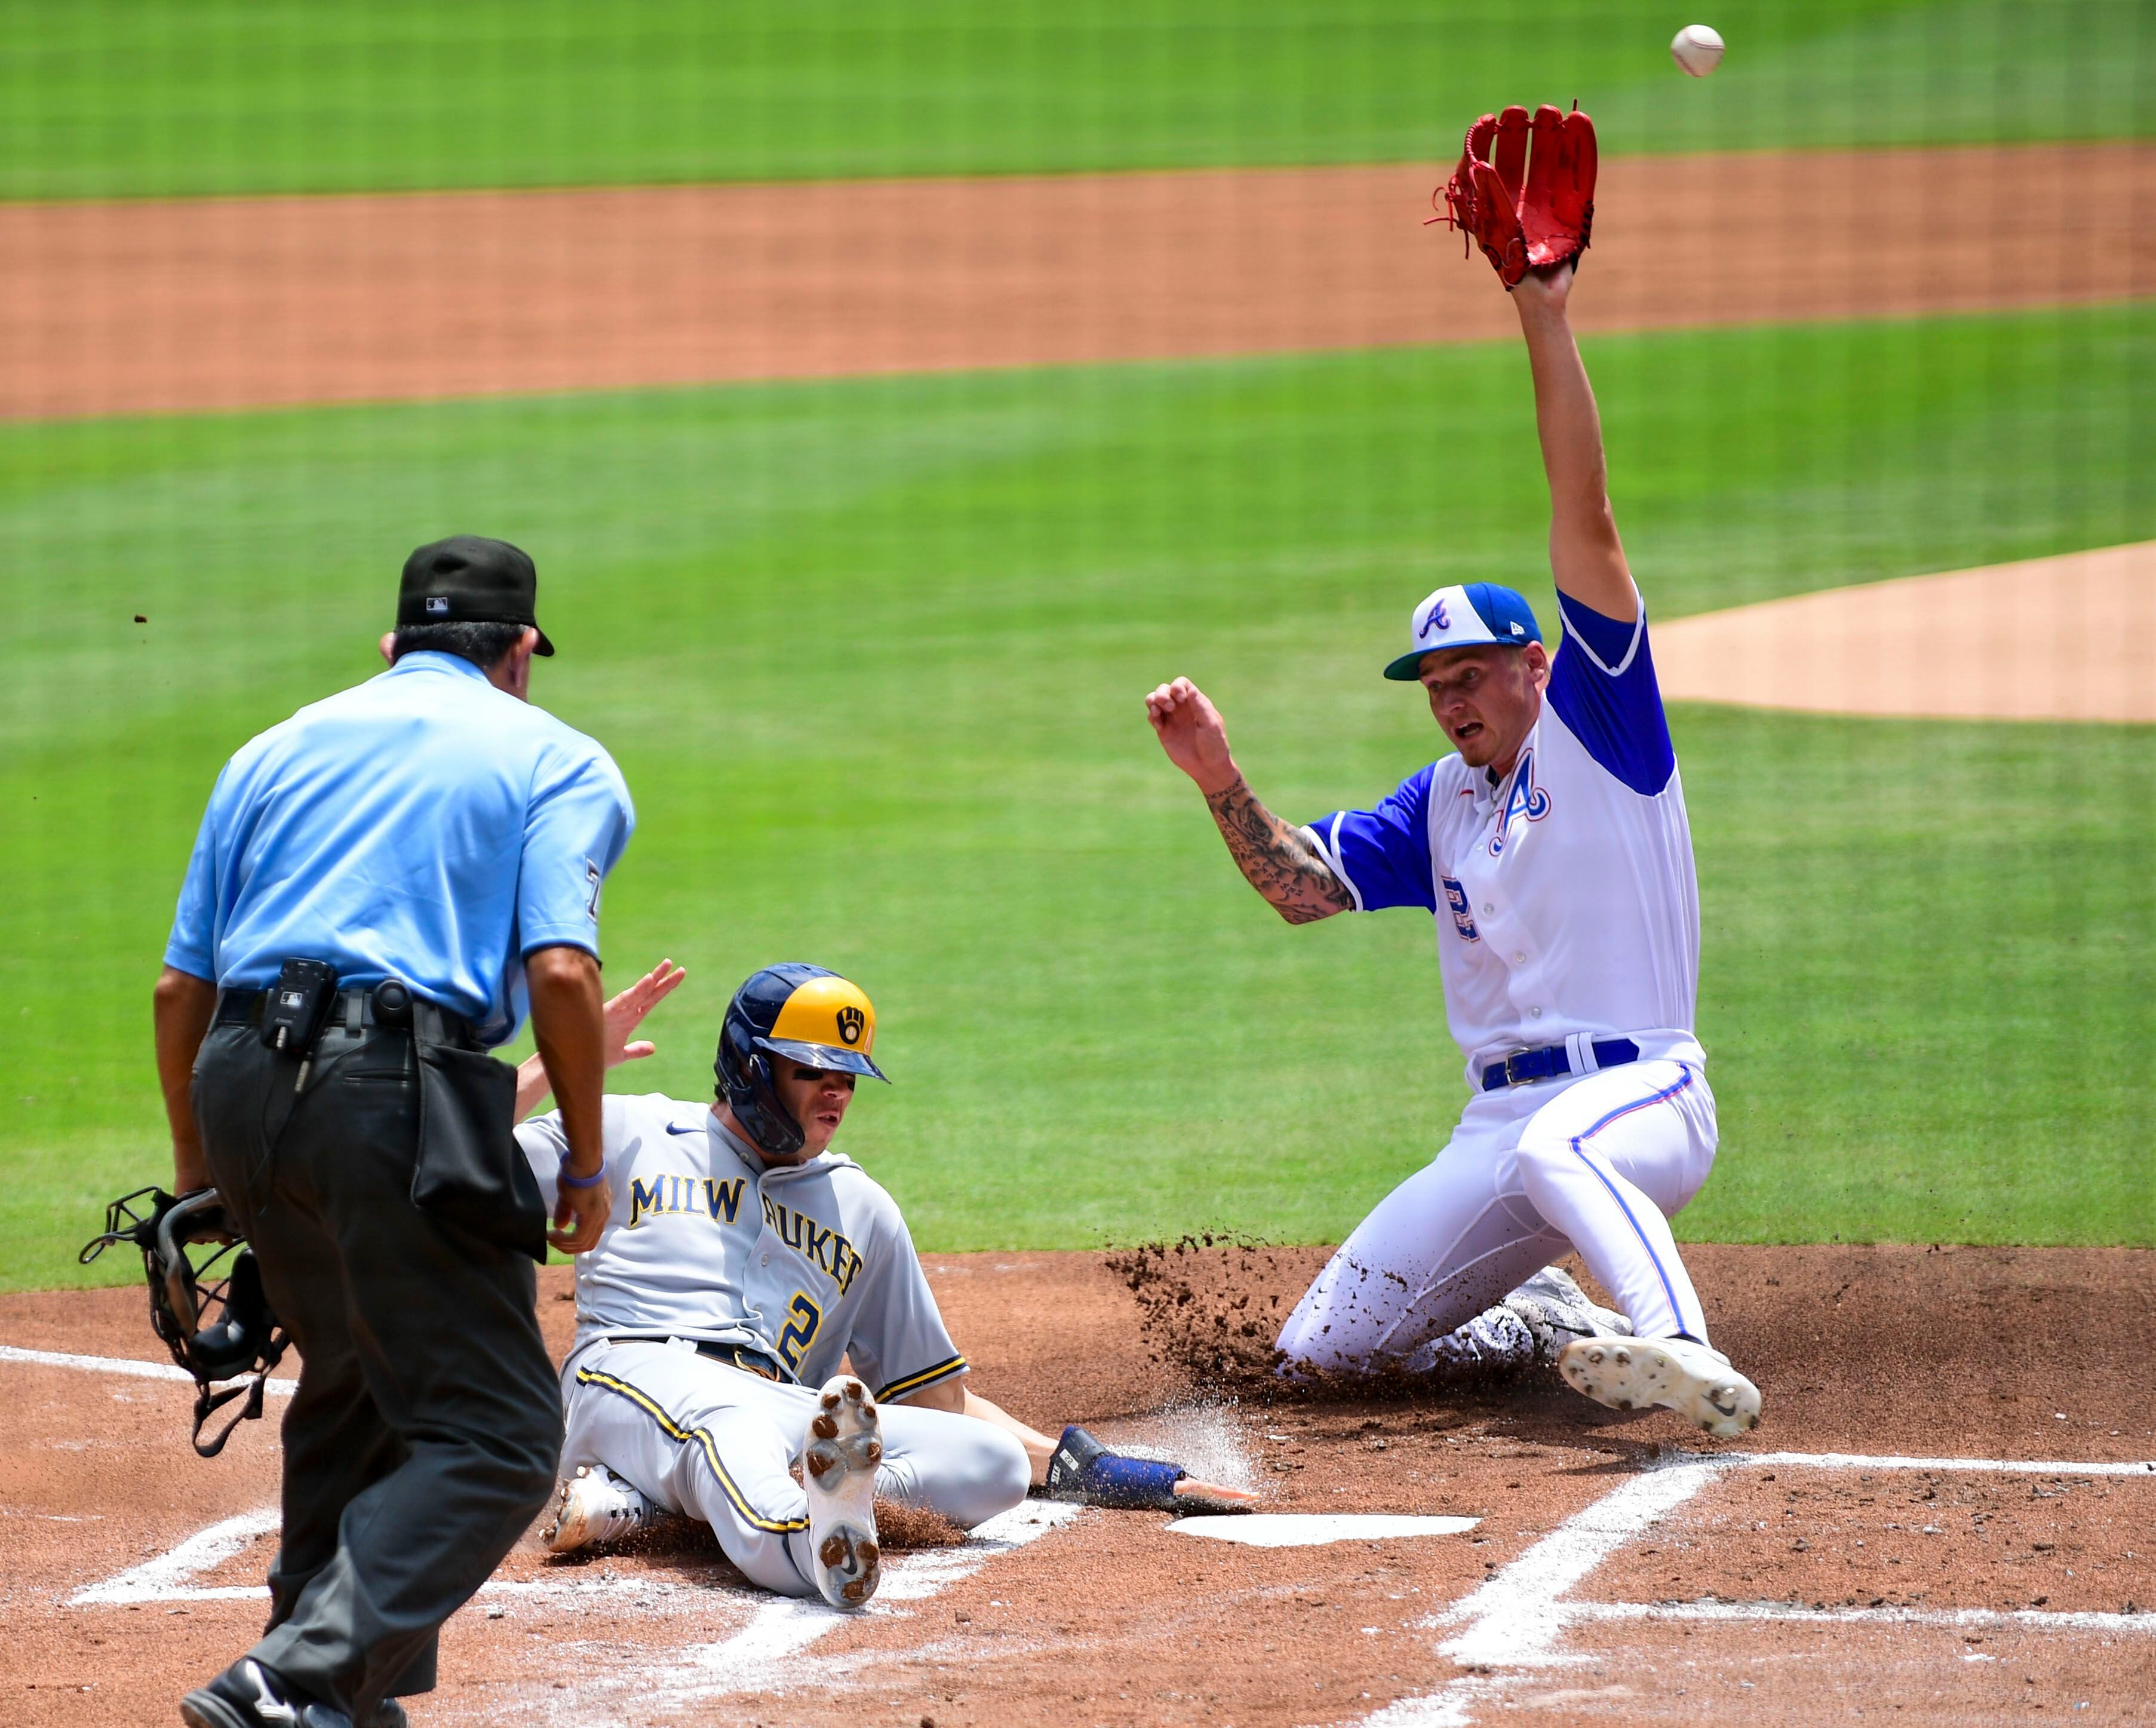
(1579, 1151)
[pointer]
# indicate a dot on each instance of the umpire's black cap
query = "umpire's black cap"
(467, 579)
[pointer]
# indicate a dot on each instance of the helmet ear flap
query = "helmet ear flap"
(766, 1119)
(751, 1094)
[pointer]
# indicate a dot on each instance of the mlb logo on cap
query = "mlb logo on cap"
(1466, 615)
(438, 603)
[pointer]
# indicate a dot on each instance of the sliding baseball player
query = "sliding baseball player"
(1552, 849)
(742, 1263)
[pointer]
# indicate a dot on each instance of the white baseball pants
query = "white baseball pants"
(1599, 1165)
(713, 1441)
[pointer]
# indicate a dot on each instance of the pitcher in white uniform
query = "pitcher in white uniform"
(1552, 852)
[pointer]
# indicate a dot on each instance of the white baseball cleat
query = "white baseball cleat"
(1557, 1311)
(1668, 1373)
(593, 1506)
(839, 1459)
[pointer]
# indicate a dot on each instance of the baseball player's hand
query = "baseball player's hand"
(625, 1012)
(580, 1214)
(1191, 1488)
(1190, 730)
(1546, 289)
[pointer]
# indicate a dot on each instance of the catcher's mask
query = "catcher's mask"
(803, 1014)
(209, 1308)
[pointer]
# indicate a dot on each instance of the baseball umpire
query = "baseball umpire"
(380, 885)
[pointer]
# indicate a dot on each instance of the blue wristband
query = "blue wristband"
(592, 1180)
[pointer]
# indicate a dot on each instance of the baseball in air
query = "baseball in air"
(1697, 49)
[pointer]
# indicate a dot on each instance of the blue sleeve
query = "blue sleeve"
(192, 948)
(1383, 855)
(1602, 685)
(575, 827)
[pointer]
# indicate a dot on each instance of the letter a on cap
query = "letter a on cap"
(1463, 616)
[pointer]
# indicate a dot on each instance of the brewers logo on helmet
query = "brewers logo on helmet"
(805, 1014)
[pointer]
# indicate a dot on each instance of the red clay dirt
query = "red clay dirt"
(2010, 1354)
(176, 308)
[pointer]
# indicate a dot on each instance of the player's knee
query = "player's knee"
(780, 1564)
(1014, 1478)
(1316, 1340)
(1291, 1347)
(996, 1478)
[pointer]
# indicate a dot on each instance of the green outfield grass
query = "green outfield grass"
(106, 98)
(871, 654)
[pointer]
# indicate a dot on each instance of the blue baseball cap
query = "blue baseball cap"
(1466, 615)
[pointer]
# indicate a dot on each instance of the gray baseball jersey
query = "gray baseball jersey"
(811, 1263)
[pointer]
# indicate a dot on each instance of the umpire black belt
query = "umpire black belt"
(1552, 1061)
(353, 1009)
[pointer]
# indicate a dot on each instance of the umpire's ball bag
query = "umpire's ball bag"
(471, 1172)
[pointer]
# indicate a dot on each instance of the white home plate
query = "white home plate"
(1307, 1530)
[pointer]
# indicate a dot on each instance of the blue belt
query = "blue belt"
(1522, 1068)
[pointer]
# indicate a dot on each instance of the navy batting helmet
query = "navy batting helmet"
(805, 1014)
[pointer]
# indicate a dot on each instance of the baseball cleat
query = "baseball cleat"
(1497, 1341)
(839, 1459)
(593, 1506)
(1557, 1311)
(1666, 1373)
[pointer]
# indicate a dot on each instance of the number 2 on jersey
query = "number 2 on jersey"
(803, 1317)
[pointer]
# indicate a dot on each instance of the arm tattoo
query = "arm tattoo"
(1275, 859)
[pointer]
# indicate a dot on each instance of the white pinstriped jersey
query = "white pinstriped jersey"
(810, 1263)
(1564, 895)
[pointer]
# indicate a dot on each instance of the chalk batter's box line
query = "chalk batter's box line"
(1762, 1612)
(1862, 1461)
(1515, 1618)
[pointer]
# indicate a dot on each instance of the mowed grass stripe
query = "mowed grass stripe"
(137, 98)
(871, 654)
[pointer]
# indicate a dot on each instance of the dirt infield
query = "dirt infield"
(150, 307)
(1945, 1517)
(2066, 638)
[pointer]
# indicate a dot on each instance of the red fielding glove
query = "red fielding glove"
(1524, 215)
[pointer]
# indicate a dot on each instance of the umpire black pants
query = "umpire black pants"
(423, 1436)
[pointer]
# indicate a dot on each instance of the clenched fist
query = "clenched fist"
(1190, 730)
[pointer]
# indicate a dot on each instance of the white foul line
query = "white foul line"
(122, 1365)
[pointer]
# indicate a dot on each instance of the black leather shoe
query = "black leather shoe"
(249, 1695)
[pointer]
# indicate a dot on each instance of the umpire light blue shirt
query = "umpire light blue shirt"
(422, 825)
